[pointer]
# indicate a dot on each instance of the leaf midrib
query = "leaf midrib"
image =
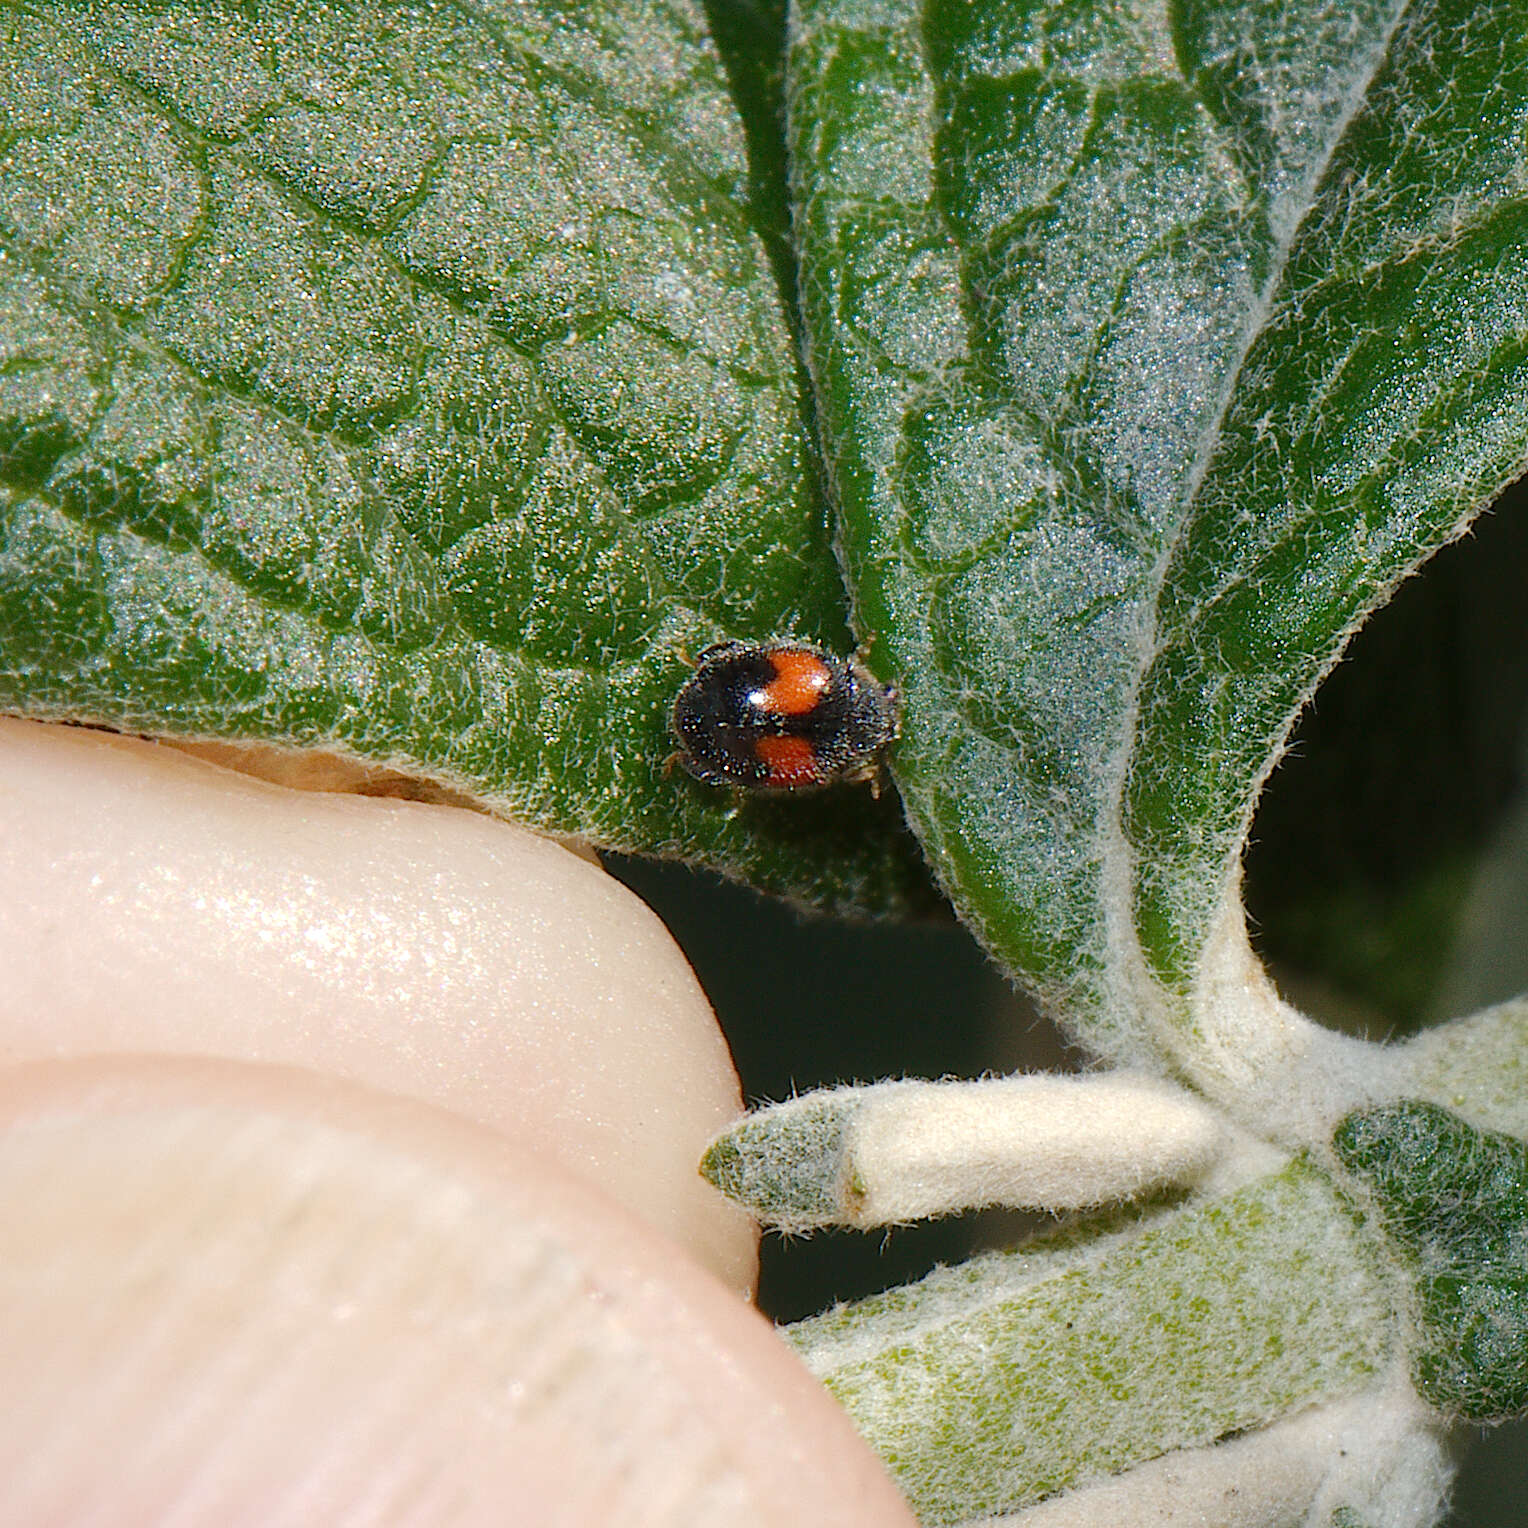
(1129, 968)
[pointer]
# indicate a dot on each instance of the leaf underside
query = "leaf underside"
(407, 380)
(1021, 1375)
(1153, 347)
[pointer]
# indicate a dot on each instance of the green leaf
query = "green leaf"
(1021, 1374)
(1456, 1201)
(750, 36)
(406, 381)
(795, 1182)
(1153, 347)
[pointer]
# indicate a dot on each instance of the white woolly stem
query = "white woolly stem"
(1477, 1066)
(1264, 1061)
(1041, 1142)
(1380, 1455)
(904, 1150)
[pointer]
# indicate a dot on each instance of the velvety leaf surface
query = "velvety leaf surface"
(1153, 346)
(1019, 1375)
(406, 379)
(1456, 1200)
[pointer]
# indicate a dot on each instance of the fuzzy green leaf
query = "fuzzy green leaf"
(406, 380)
(795, 1182)
(1154, 346)
(1456, 1201)
(1019, 1375)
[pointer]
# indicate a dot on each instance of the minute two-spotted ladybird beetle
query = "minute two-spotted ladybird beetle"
(782, 715)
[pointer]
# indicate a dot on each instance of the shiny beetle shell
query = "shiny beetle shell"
(783, 715)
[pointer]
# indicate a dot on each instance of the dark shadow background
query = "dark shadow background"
(1364, 846)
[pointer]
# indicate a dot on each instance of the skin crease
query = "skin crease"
(180, 908)
(346, 1157)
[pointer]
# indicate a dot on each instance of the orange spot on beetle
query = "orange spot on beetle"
(801, 679)
(791, 761)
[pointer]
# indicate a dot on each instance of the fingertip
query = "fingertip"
(247, 1294)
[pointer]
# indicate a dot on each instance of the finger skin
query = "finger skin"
(163, 904)
(238, 1294)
